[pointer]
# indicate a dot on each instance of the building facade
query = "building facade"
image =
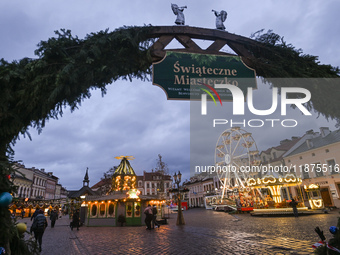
(315, 159)
(35, 183)
(199, 187)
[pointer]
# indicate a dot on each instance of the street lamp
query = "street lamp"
(180, 218)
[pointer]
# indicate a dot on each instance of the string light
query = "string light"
(316, 203)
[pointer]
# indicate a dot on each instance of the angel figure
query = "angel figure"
(220, 18)
(179, 12)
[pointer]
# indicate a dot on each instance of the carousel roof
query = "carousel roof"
(124, 167)
(289, 179)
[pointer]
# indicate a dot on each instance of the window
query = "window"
(305, 173)
(102, 210)
(137, 209)
(111, 210)
(148, 185)
(94, 211)
(318, 169)
(274, 154)
(129, 209)
(331, 166)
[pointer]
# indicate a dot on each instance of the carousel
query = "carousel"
(273, 204)
(236, 156)
(123, 205)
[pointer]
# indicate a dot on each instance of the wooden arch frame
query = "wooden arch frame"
(185, 34)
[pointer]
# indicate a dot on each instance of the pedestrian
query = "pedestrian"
(38, 227)
(293, 204)
(148, 216)
(75, 220)
(35, 213)
(154, 217)
(53, 217)
(22, 213)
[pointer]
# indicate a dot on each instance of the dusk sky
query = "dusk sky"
(135, 118)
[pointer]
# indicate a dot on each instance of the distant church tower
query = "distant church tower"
(86, 180)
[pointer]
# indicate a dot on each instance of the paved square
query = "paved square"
(205, 232)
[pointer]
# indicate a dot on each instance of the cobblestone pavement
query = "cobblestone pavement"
(205, 232)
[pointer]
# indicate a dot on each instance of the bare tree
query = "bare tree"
(107, 180)
(161, 167)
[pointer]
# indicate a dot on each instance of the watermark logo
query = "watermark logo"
(204, 98)
(238, 103)
(239, 99)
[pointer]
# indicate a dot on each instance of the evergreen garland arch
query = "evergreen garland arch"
(67, 68)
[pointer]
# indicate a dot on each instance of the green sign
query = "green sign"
(187, 75)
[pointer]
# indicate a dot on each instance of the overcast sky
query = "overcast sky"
(135, 118)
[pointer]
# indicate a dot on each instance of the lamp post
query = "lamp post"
(180, 218)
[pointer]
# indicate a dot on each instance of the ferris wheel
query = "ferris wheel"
(235, 153)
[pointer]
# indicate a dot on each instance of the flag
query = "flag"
(318, 244)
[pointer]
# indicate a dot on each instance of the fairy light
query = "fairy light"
(316, 203)
(268, 179)
(276, 192)
(313, 186)
(290, 178)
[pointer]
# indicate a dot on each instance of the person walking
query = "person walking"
(53, 217)
(35, 214)
(154, 217)
(38, 227)
(75, 220)
(22, 213)
(293, 204)
(148, 216)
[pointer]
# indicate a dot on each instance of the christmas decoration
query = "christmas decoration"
(22, 227)
(2, 250)
(5, 199)
(332, 246)
(124, 178)
(333, 229)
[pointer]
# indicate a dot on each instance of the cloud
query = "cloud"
(135, 118)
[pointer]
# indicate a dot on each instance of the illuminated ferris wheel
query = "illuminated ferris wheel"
(235, 153)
